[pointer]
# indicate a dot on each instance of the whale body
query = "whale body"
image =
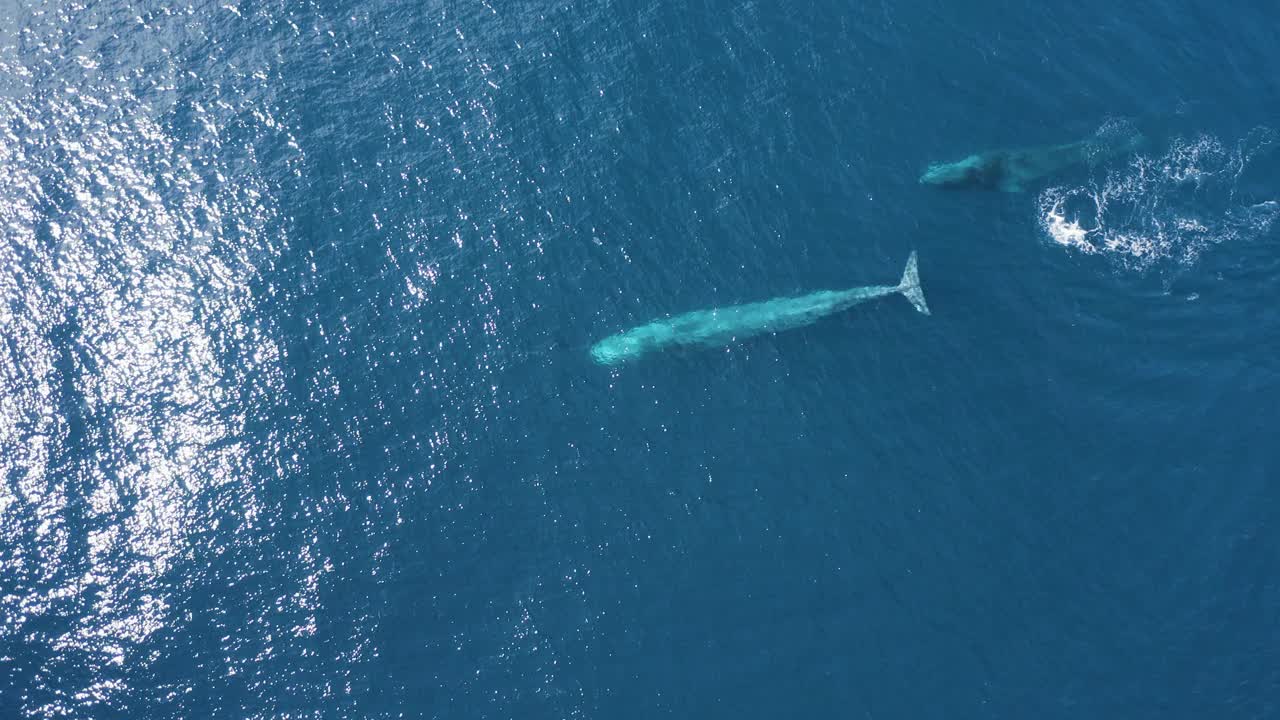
(718, 327)
(1011, 170)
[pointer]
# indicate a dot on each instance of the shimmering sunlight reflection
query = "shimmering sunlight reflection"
(136, 376)
(125, 262)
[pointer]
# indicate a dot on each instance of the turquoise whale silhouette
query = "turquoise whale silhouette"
(718, 327)
(1012, 170)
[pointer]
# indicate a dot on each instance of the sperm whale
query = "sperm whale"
(718, 327)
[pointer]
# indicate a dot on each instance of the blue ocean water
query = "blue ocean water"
(297, 418)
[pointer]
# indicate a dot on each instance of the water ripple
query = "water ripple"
(129, 358)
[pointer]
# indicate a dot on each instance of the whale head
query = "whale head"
(973, 171)
(616, 350)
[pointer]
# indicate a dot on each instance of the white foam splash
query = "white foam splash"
(1162, 209)
(1067, 232)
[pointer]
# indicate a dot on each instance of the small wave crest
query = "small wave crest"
(1163, 209)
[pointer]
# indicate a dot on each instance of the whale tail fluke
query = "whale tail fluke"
(910, 285)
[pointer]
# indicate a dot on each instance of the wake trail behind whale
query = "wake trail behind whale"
(1161, 211)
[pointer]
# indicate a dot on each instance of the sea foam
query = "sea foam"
(1163, 209)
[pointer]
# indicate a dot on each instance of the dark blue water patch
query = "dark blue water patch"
(369, 469)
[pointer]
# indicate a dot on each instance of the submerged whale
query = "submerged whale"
(1011, 170)
(721, 326)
